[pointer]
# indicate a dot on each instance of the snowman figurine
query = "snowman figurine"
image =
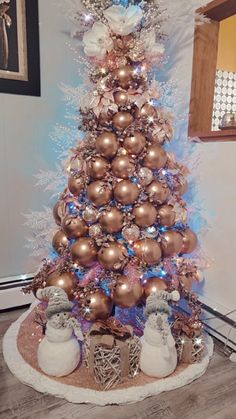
(158, 353)
(59, 351)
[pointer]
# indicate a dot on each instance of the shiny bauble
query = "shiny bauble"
(145, 176)
(126, 192)
(76, 165)
(155, 158)
(74, 227)
(182, 188)
(146, 111)
(122, 167)
(145, 214)
(57, 212)
(107, 144)
(158, 192)
(124, 75)
(166, 216)
(148, 251)
(111, 220)
(152, 285)
(75, 185)
(135, 143)
(113, 256)
(66, 280)
(90, 215)
(171, 243)
(99, 192)
(60, 241)
(121, 120)
(190, 241)
(97, 167)
(96, 305)
(84, 252)
(126, 295)
(121, 98)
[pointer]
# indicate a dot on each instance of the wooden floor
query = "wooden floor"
(212, 396)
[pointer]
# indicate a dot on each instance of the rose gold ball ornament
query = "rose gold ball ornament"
(121, 120)
(166, 215)
(107, 144)
(158, 192)
(131, 233)
(66, 280)
(60, 241)
(135, 144)
(145, 176)
(148, 251)
(122, 167)
(190, 241)
(74, 227)
(75, 185)
(155, 158)
(182, 187)
(171, 243)
(111, 220)
(121, 98)
(97, 167)
(152, 285)
(90, 215)
(113, 256)
(99, 192)
(96, 306)
(57, 212)
(145, 214)
(124, 295)
(124, 75)
(126, 192)
(146, 111)
(84, 251)
(186, 281)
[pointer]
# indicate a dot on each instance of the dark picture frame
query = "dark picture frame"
(19, 47)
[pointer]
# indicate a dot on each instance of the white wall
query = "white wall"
(25, 147)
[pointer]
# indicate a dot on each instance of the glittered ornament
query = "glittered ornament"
(135, 143)
(121, 120)
(121, 98)
(99, 192)
(158, 192)
(84, 251)
(122, 167)
(126, 192)
(97, 167)
(90, 215)
(74, 227)
(96, 305)
(113, 256)
(60, 241)
(75, 185)
(152, 285)
(145, 176)
(95, 231)
(66, 280)
(131, 233)
(155, 158)
(107, 144)
(166, 215)
(189, 241)
(126, 295)
(111, 220)
(171, 243)
(145, 214)
(148, 251)
(123, 76)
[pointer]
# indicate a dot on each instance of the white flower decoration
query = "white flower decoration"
(151, 46)
(123, 20)
(97, 42)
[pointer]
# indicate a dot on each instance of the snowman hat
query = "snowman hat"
(158, 301)
(57, 300)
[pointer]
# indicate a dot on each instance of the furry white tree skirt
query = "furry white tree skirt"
(48, 385)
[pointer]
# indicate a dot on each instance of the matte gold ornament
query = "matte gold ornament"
(126, 295)
(96, 305)
(122, 167)
(74, 227)
(126, 192)
(148, 251)
(75, 185)
(190, 241)
(171, 243)
(66, 280)
(158, 192)
(60, 241)
(145, 214)
(113, 256)
(146, 111)
(84, 251)
(124, 75)
(135, 143)
(121, 120)
(166, 215)
(57, 212)
(121, 98)
(152, 285)
(107, 144)
(155, 158)
(145, 176)
(111, 220)
(90, 215)
(99, 192)
(97, 167)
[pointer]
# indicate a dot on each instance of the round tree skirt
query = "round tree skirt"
(20, 352)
